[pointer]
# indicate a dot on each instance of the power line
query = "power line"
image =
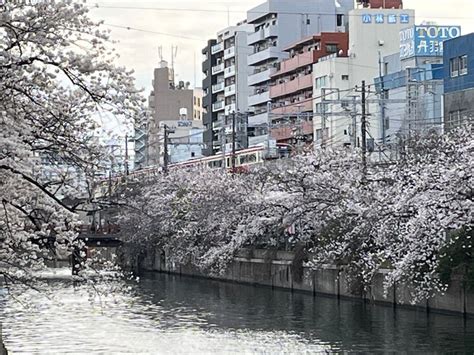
(191, 10)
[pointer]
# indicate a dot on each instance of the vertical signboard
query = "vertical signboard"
(426, 41)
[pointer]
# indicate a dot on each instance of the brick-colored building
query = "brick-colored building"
(292, 84)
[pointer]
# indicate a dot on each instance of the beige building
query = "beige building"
(166, 100)
(198, 110)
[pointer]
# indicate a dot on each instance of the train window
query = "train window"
(228, 162)
(252, 158)
(244, 159)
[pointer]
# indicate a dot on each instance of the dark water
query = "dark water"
(172, 314)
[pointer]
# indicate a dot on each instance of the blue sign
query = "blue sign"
(379, 18)
(390, 18)
(366, 18)
(404, 18)
(426, 41)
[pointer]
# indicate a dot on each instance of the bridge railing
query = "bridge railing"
(104, 229)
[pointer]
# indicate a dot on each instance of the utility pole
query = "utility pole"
(364, 130)
(354, 123)
(323, 118)
(127, 171)
(233, 142)
(165, 152)
(382, 98)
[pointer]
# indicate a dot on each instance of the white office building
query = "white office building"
(277, 24)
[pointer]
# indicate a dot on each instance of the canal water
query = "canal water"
(165, 314)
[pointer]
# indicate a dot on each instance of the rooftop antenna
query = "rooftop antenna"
(174, 53)
(160, 53)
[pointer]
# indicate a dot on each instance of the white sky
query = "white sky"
(192, 28)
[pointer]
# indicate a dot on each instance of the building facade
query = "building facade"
(198, 110)
(373, 34)
(165, 102)
(277, 24)
(412, 84)
(225, 84)
(458, 81)
(291, 91)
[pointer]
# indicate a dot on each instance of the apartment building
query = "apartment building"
(291, 90)
(373, 34)
(277, 24)
(225, 85)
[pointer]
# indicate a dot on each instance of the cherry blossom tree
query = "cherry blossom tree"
(57, 77)
(401, 217)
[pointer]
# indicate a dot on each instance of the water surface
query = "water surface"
(167, 314)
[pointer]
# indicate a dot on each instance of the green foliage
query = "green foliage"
(458, 258)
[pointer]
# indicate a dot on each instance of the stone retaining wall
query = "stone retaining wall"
(274, 269)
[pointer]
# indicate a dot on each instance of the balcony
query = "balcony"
(257, 120)
(229, 52)
(229, 71)
(218, 69)
(259, 98)
(298, 61)
(230, 90)
(270, 31)
(217, 106)
(301, 106)
(284, 133)
(266, 54)
(297, 84)
(255, 37)
(217, 48)
(218, 87)
(230, 108)
(260, 77)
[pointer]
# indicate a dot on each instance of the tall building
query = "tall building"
(225, 85)
(165, 102)
(291, 91)
(458, 81)
(277, 24)
(373, 34)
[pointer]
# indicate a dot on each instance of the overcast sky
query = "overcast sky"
(189, 23)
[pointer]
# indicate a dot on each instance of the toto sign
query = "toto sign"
(426, 41)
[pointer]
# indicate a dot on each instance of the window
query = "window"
(331, 48)
(345, 77)
(463, 65)
(454, 67)
(321, 82)
(340, 20)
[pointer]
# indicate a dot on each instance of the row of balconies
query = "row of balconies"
(298, 61)
(264, 55)
(262, 34)
(217, 48)
(229, 52)
(219, 68)
(305, 105)
(299, 83)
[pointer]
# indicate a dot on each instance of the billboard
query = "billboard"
(426, 41)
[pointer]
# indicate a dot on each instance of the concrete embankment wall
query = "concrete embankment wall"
(274, 269)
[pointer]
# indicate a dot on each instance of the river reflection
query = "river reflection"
(171, 314)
